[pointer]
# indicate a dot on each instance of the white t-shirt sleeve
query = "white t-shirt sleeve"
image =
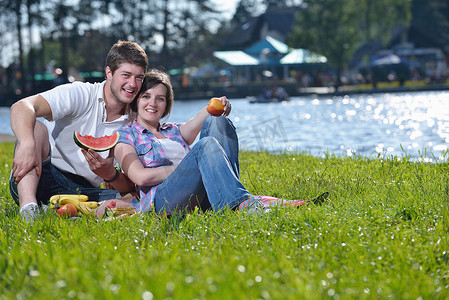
(67, 100)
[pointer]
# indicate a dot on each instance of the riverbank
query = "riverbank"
(6, 138)
(254, 89)
(292, 88)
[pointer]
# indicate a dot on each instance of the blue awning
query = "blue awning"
(269, 43)
(269, 52)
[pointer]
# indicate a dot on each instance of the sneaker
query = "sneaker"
(30, 212)
(253, 205)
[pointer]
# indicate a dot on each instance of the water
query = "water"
(377, 125)
(5, 128)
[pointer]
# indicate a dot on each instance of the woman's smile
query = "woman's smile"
(152, 104)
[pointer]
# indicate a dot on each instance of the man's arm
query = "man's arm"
(23, 120)
(24, 114)
(104, 167)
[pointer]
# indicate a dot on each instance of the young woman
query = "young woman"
(169, 176)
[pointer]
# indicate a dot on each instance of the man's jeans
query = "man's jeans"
(54, 182)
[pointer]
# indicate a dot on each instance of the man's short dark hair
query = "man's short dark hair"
(126, 52)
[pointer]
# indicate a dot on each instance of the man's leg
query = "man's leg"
(27, 187)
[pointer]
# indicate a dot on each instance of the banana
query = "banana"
(79, 201)
(91, 204)
(81, 198)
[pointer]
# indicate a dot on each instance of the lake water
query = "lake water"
(371, 125)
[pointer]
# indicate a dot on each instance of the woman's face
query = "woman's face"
(151, 105)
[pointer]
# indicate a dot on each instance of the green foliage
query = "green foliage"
(431, 18)
(336, 28)
(382, 234)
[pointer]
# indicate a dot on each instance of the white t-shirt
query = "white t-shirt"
(173, 150)
(77, 106)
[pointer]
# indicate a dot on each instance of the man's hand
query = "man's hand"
(25, 160)
(103, 167)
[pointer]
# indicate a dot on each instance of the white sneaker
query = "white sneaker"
(254, 205)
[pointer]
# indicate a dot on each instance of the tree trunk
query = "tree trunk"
(337, 83)
(20, 76)
(31, 58)
(64, 56)
(164, 50)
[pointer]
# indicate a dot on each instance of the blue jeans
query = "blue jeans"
(54, 182)
(208, 176)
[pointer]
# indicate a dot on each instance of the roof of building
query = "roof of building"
(280, 20)
(269, 51)
(301, 56)
(236, 58)
(269, 43)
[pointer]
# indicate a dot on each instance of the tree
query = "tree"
(34, 18)
(336, 28)
(181, 26)
(14, 9)
(243, 11)
(431, 20)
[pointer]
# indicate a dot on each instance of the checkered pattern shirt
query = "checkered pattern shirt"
(151, 153)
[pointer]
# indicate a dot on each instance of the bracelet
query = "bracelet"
(117, 174)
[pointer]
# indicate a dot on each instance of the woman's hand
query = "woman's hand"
(227, 106)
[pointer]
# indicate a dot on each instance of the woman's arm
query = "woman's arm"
(190, 129)
(132, 166)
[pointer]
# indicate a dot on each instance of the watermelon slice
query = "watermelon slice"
(97, 144)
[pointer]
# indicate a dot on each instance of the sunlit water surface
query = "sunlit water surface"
(415, 125)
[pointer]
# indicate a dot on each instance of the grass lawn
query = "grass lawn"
(383, 234)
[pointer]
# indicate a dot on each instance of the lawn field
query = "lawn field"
(382, 234)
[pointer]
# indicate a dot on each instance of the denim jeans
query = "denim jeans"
(54, 182)
(208, 176)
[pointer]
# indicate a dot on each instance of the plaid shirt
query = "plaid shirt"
(151, 153)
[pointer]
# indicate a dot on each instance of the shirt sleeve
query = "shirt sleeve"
(126, 136)
(67, 99)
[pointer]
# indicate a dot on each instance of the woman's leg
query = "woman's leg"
(205, 173)
(224, 132)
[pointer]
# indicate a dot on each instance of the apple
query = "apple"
(215, 107)
(67, 210)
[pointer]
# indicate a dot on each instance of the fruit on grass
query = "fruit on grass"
(59, 197)
(78, 201)
(67, 210)
(215, 107)
(97, 144)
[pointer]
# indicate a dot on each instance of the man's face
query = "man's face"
(126, 82)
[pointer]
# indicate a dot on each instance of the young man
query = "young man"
(47, 161)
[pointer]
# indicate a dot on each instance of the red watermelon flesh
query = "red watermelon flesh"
(97, 144)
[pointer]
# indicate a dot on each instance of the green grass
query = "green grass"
(382, 235)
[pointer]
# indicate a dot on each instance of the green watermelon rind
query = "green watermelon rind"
(77, 137)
